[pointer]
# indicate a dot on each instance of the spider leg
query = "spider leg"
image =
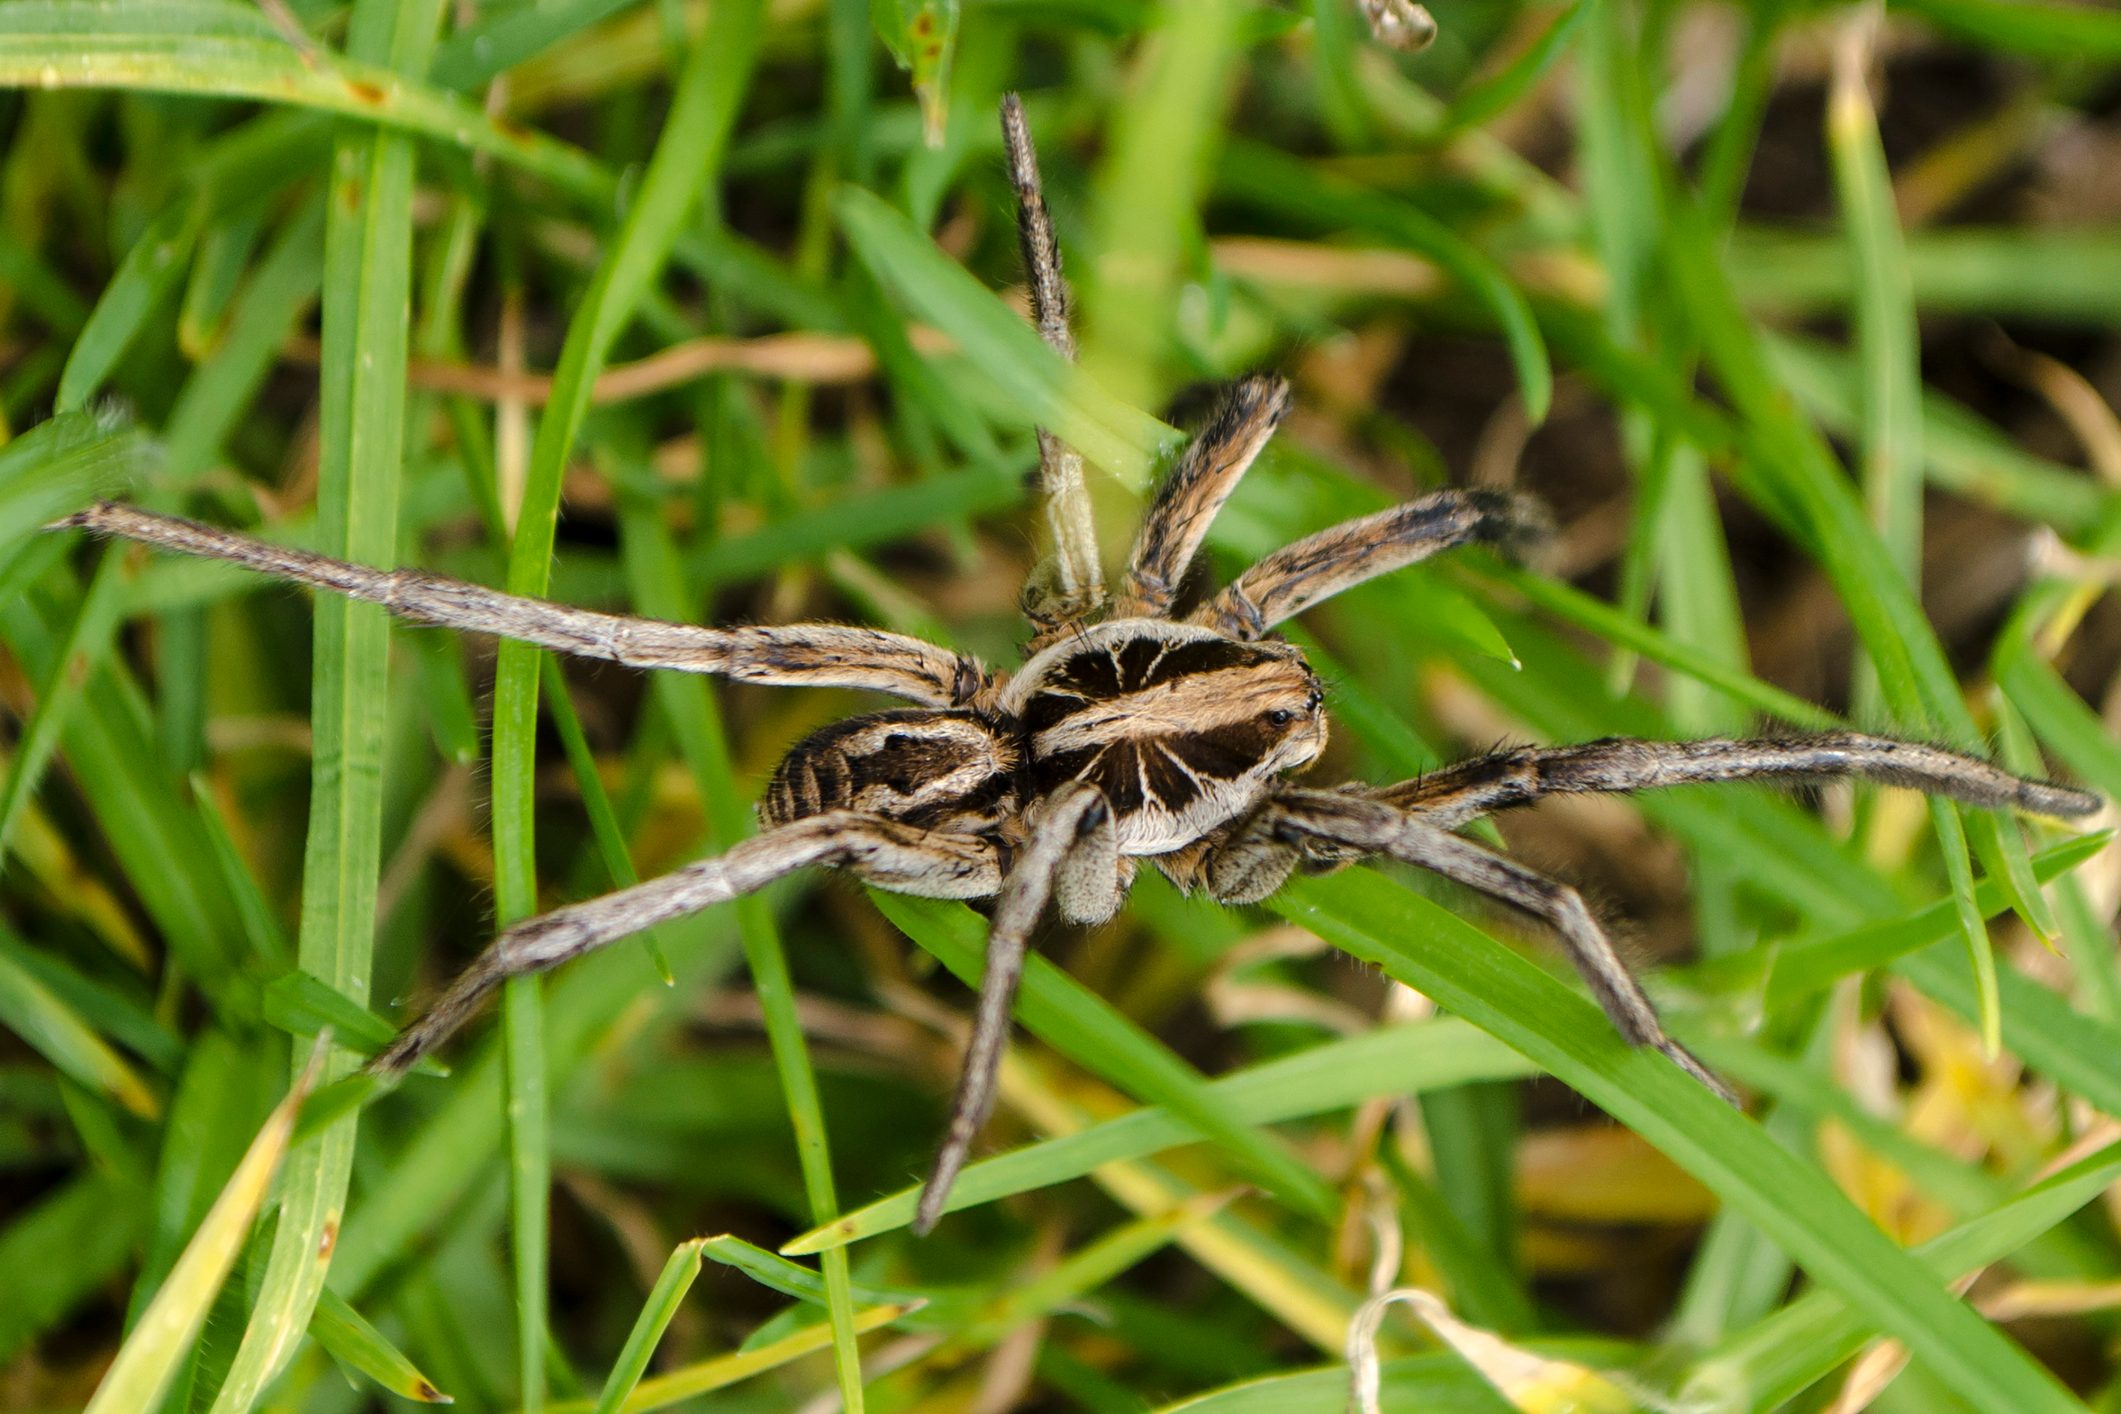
(885, 852)
(1073, 816)
(1319, 566)
(1463, 792)
(793, 655)
(1186, 504)
(1376, 828)
(1078, 587)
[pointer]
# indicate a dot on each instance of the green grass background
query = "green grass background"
(702, 311)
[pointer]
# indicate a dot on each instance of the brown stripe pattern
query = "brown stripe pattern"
(945, 771)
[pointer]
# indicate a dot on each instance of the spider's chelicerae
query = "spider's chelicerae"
(1130, 733)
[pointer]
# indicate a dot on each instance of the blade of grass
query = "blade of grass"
(1914, 679)
(81, 654)
(658, 587)
(60, 465)
(662, 1304)
(1160, 143)
(1400, 1060)
(1796, 1205)
(59, 1033)
(355, 1342)
(687, 152)
(367, 260)
(996, 345)
(142, 281)
(232, 51)
(170, 1325)
(663, 1391)
(1769, 1364)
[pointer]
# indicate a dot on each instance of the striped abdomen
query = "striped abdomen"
(940, 770)
(1180, 726)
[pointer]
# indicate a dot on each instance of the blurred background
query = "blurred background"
(1802, 320)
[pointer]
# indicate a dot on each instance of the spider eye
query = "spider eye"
(1280, 717)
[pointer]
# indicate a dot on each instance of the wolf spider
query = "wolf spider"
(1130, 733)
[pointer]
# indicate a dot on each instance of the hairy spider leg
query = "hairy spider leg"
(891, 855)
(1208, 470)
(1072, 816)
(791, 655)
(1373, 827)
(1294, 578)
(1078, 590)
(1460, 793)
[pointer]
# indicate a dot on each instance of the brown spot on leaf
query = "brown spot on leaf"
(369, 93)
(329, 1240)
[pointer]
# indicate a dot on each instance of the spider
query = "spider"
(1131, 734)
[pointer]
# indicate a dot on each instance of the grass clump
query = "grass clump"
(1802, 320)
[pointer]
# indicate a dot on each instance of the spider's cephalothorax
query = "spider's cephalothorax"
(1178, 727)
(1127, 734)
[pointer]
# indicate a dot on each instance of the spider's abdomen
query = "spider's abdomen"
(1180, 726)
(939, 770)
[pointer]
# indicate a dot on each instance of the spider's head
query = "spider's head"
(1180, 726)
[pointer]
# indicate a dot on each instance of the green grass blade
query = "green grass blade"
(355, 1342)
(1400, 1060)
(47, 1025)
(142, 281)
(1795, 1204)
(653, 567)
(2069, 33)
(1764, 1367)
(61, 465)
(686, 155)
(664, 1391)
(171, 1323)
(81, 654)
(232, 51)
(1159, 145)
(997, 346)
(367, 260)
(662, 1304)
